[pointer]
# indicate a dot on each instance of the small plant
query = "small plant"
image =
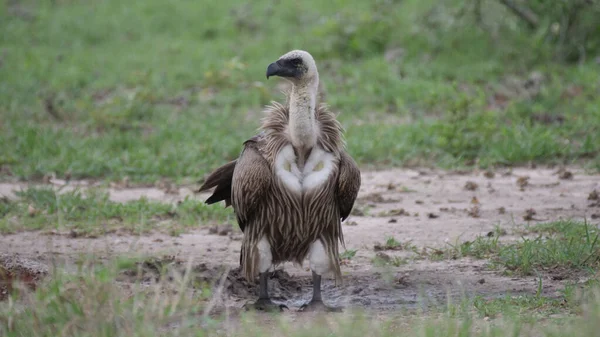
(391, 242)
(348, 254)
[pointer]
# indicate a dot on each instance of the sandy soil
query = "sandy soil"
(429, 208)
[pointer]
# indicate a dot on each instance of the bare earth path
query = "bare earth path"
(429, 208)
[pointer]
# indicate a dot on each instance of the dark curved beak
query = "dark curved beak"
(273, 69)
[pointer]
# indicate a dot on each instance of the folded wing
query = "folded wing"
(250, 182)
(348, 184)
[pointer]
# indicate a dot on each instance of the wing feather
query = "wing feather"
(348, 184)
(251, 181)
(221, 178)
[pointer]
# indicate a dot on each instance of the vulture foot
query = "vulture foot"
(318, 306)
(265, 304)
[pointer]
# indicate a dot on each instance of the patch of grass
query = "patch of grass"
(481, 247)
(521, 305)
(5, 206)
(532, 307)
(392, 244)
(91, 92)
(498, 231)
(91, 212)
(529, 308)
(88, 302)
(91, 303)
(381, 260)
(559, 247)
(574, 245)
(348, 254)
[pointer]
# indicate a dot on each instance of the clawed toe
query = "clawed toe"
(265, 304)
(318, 306)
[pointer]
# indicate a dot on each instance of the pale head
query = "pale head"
(297, 66)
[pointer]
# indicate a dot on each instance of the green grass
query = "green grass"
(91, 212)
(567, 302)
(523, 307)
(150, 89)
(91, 303)
(392, 243)
(519, 306)
(557, 247)
(386, 260)
(88, 302)
(348, 254)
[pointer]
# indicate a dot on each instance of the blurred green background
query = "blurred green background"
(150, 89)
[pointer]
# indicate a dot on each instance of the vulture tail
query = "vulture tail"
(221, 178)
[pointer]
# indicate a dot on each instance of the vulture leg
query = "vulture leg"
(264, 302)
(316, 303)
(320, 264)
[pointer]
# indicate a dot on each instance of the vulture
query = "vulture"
(291, 186)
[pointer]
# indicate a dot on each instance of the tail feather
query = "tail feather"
(222, 192)
(221, 178)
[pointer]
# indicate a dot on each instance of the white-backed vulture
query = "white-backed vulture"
(292, 184)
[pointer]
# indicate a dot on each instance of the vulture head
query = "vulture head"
(297, 66)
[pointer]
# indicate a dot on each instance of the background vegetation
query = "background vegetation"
(151, 89)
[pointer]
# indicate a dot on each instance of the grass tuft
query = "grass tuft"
(90, 302)
(558, 247)
(92, 213)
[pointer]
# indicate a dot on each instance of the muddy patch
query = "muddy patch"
(378, 290)
(16, 271)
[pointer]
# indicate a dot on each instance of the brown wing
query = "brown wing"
(251, 181)
(348, 184)
(221, 178)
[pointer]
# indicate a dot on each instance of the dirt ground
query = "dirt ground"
(428, 208)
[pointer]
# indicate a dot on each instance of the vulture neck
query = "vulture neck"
(302, 124)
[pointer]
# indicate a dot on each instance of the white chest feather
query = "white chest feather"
(316, 171)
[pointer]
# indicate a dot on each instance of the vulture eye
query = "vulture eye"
(296, 62)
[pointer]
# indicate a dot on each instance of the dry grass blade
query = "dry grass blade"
(217, 296)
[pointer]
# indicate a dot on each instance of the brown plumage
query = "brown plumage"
(221, 178)
(292, 184)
